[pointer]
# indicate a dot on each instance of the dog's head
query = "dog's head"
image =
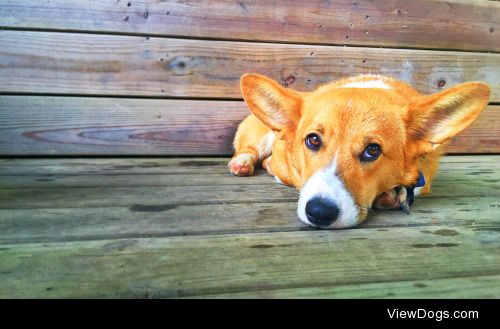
(347, 145)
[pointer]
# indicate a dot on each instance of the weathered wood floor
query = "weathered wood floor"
(158, 227)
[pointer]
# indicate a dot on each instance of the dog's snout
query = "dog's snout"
(321, 212)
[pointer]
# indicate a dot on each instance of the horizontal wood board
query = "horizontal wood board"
(452, 24)
(96, 64)
(34, 125)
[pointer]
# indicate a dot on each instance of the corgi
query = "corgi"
(351, 145)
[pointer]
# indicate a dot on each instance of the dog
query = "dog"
(363, 142)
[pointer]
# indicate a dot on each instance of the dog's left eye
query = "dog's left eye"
(313, 142)
(371, 153)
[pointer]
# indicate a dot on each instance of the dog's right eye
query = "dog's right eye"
(371, 153)
(313, 142)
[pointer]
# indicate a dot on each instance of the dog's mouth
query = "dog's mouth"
(337, 209)
(326, 212)
(325, 202)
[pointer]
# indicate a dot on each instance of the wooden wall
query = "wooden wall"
(115, 77)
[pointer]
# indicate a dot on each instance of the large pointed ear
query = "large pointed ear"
(277, 107)
(433, 120)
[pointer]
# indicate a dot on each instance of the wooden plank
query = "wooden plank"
(143, 196)
(202, 178)
(66, 63)
(394, 23)
(118, 126)
(177, 165)
(52, 209)
(83, 126)
(483, 136)
(473, 164)
(127, 172)
(207, 265)
(454, 288)
(127, 166)
(118, 180)
(139, 221)
(135, 221)
(165, 196)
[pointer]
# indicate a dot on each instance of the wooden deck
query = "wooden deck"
(184, 227)
(86, 81)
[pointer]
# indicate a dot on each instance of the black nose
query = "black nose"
(321, 212)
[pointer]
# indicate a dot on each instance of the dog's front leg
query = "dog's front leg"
(253, 142)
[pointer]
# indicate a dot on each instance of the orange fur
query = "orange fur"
(348, 115)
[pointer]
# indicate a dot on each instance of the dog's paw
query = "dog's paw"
(393, 199)
(241, 165)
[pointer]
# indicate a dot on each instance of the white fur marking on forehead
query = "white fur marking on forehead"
(377, 84)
